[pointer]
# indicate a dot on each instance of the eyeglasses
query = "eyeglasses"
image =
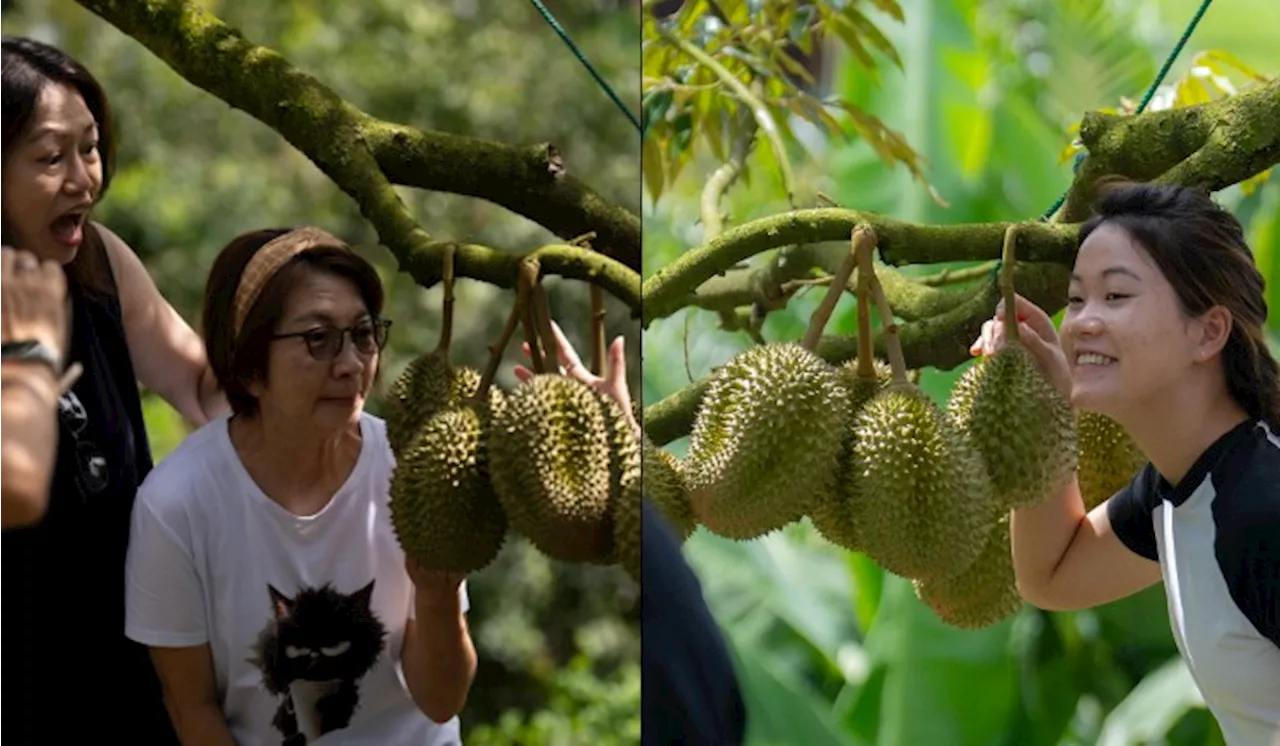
(92, 475)
(326, 342)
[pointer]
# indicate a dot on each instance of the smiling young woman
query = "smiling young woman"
(1164, 334)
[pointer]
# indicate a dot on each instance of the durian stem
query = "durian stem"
(542, 316)
(524, 290)
(446, 320)
(597, 314)
(497, 349)
(892, 344)
(597, 331)
(1009, 258)
(866, 345)
(822, 314)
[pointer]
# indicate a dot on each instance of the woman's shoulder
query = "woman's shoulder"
(197, 466)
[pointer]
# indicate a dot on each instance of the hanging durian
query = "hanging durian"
(766, 440)
(664, 487)
(562, 455)
(1013, 414)
(922, 502)
(863, 377)
(1109, 459)
(443, 507)
(984, 593)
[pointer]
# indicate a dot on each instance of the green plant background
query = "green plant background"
(558, 644)
(830, 649)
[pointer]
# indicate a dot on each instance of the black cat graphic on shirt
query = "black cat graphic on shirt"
(313, 653)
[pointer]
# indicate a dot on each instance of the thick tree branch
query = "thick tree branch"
(899, 242)
(528, 180)
(941, 342)
(337, 137)
(1212, 145)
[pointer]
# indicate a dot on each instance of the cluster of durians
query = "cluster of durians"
(553, 460)
(881, 468)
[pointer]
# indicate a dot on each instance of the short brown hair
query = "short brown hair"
(238, 360)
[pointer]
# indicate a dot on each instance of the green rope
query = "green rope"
(550, 19)
(1151, 92)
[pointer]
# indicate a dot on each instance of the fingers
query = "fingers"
(1032, 314)
(616, 368)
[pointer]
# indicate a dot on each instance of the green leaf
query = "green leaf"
(651, 162)
(1153, 707)
(781, 710)
(873, 35)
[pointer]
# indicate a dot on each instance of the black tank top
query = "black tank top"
(70, 674)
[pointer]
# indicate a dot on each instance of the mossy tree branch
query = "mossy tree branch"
(355, 151)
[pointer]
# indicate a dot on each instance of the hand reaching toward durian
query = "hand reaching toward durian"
(1037, 334)
(612, 384)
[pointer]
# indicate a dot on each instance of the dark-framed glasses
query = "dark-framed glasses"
(326, 342)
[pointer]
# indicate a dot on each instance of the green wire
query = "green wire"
(1151, 92)
(550, 19)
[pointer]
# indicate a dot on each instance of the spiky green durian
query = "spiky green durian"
(664, 488)
(1022, 426)
(984, 593)
(766, 438)
(924, 498)
(559, 463)
(443, 507)
(427, 385)
(829, 510)
(626, 530)
(1109, 459)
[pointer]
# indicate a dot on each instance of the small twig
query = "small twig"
(446, 320)
(954, 276)
(1006, 283)
(863, 234)
(524, 291)
(597, 331)
(892, 342)
(542, 318)
(866, 345)
(497, 349)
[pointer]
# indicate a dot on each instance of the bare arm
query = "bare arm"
(28, 441)
(1066, 559)
(167, 354)
(186, 676)
(438, 657)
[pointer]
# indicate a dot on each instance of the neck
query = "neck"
(1174, 437)
(294, 465)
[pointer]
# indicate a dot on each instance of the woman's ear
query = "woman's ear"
(1214, 328)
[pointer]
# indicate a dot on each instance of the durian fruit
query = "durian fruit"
(443, 507)
(829, 510)
(766, 438)
(664, 487)
(428, 384)
(1109, 459)
(1009, 409)
(626, 529)
(562, 455)
(923, 500)
(984, 593)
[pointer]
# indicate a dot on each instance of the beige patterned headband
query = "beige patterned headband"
(269, 259)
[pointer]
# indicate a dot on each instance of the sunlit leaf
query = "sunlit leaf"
(1153, 707)
(652, 163)
(877, 39)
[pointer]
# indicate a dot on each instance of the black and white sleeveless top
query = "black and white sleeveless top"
(1216, 536)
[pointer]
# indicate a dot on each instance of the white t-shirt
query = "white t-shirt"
(322, 601)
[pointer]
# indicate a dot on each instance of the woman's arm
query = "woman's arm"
(438, 656)
(167, 354)
(186, 676)
(30, 442)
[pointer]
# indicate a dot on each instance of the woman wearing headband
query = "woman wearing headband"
(263, 570)
(64, 568)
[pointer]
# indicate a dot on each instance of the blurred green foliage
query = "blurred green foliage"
(558, 644)
(830, 649)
